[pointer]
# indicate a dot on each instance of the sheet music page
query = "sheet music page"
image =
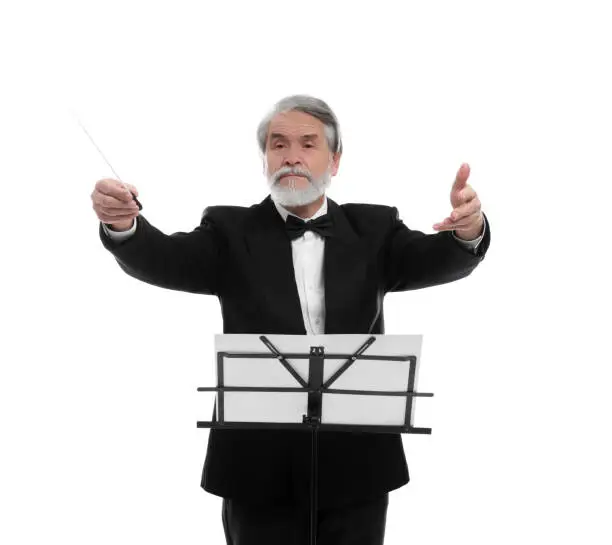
(370, 375)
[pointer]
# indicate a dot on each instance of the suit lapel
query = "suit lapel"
(345, 264)
(270, 249)
(345, 267)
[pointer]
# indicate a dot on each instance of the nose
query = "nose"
(291, 162)
(292, 158)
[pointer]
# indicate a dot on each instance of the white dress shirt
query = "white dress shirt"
(307, 251)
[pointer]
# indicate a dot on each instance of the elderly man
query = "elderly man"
(298, 263)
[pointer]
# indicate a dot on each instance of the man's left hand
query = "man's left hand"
(466, 219)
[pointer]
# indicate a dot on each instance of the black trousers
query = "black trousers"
(360, 523)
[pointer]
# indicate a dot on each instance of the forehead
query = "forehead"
(295, 124)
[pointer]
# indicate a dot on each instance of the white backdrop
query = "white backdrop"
(98, 401)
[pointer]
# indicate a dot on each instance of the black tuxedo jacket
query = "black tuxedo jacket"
(243, 256)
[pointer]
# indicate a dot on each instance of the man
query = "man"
(275, 274)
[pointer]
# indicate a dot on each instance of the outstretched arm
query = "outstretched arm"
(182, 261)
(414, 260)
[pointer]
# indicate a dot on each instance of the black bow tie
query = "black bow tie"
(323, 225)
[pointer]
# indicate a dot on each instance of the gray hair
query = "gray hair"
(311, 106)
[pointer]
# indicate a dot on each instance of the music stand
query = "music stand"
(256, 386)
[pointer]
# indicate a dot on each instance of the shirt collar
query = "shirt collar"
(284, 212)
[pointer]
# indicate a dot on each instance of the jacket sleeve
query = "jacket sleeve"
(188, 262)
(414, 260)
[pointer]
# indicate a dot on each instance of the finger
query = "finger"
(114, 188)
(461, 178)
(467, 209)
(132, 188)
(101, 200)
(465, 223)
(105, 218)
(466, 194)
(116, 211)
(451, 226)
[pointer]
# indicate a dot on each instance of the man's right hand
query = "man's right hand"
(114, 203)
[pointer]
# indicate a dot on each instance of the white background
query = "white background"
(98, 401)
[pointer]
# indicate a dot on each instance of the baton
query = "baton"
(107, 162)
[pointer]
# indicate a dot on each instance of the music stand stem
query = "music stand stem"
(314, 479)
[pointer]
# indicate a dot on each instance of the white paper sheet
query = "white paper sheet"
(288, 407)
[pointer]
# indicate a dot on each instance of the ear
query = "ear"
(335, 163)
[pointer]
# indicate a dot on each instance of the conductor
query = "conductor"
(298, 263)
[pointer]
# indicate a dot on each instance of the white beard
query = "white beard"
(291, 196)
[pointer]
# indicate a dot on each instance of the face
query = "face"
(298, 162)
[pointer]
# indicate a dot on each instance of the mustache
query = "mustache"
(291, 170)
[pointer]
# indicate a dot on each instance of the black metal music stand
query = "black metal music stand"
(316, 388)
